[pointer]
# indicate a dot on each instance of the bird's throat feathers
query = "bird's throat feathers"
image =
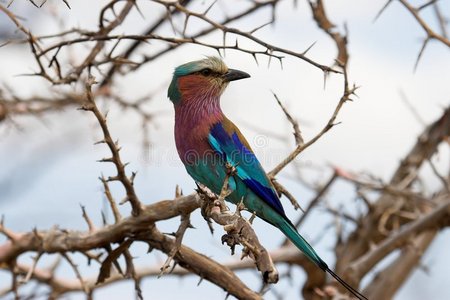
(199, 98)
(198, 107)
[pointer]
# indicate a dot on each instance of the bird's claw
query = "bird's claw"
(231, 241)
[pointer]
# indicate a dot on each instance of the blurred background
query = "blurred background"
(49, 161)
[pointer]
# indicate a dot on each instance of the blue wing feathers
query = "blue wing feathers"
(248, 168)
(267, 194)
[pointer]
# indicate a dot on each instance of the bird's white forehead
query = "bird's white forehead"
(214, 63)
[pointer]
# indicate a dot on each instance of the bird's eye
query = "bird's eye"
(206, 72)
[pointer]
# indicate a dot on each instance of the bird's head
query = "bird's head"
(201, 78)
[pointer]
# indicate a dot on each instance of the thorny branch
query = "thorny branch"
(297, 133)
(239, 230)
(406, 210)
(142, 228)
(121, 176)
(403, 217)
(365, 263)
(269, 47)
(431, 34)
(185, 224)
(287, 255)
(348, 92)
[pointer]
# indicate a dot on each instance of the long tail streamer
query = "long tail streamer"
(291, 232)
(346, 285)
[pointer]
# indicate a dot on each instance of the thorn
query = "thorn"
(85, 107)
(419, 56)
(224, 42)
(209, 8)
(200, 281)
(105, 222)
(124, 200)
(270, 59)
(256, 60)
(381, 10)
(309, 48)
(252, 218)
(178, 191)
(112, 178)
(67, 4)
(274, 5)
(36, 233)
(185, 25)
(109, 159)
(325, 74)
(139, 10)
(259, 27)
(100, 142)
(133, 176)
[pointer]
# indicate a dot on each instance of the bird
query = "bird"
(208, 143)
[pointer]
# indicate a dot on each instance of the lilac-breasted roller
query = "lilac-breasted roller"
(208, 142)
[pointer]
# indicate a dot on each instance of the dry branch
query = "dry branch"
(403, 217)
(238, 230)
(383, 210)
(58, 240)
(347, 93)
(121, 176)
(397, 239)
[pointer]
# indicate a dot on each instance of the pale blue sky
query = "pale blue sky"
(49, 167)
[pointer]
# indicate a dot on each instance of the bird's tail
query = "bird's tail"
(291, 232)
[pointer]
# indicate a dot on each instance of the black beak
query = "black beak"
(232, 75)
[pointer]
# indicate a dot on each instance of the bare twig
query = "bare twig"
(77, 272)
(32, 268)
(331, 122)
(445, 182)
(282, 190)
(111, 201)
(112, 257)
(88, 220)
(185, 224)
(297, 133)
(430, 33)
(396, 239)
(114, 148)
